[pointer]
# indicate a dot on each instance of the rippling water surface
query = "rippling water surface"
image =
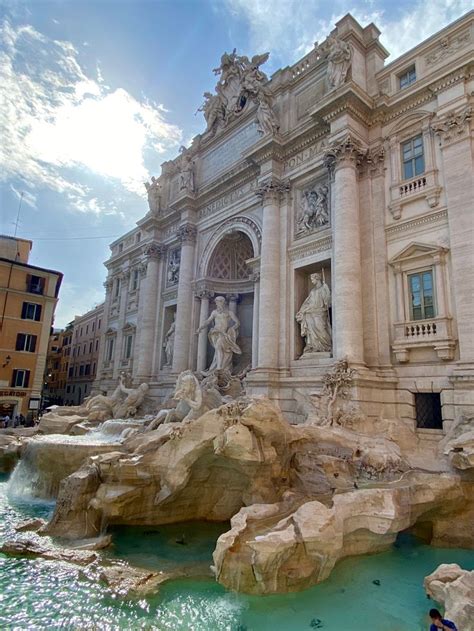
(39, 594)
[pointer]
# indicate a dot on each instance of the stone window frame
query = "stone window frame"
(405, 72)
(435, 332)
(110, 338)
(128, 332)
(423, 186)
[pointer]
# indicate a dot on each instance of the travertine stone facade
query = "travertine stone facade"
(339, 165)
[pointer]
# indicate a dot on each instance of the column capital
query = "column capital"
(108, 284)
(346, 151)
(453, 125)
(154, 251)
(205, 293)
(272, 190)
(374, 163)
(187, 233)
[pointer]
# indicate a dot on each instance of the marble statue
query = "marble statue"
(266, 119)
(133, 401)
(186, 172)
(172, 274)
(339, 60)
(314, 318)
(168, 343)
(153, 189)
(314, 209)
(222, 336)
(213, 110)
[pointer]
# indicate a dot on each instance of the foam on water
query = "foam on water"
(39, 594)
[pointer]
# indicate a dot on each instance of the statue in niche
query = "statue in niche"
(168, 343)
(314, 209)
(222, 336)
(153, 190)
(339, 60)
(174, 261)
(213, 110)
(186, 172)
(313, 317)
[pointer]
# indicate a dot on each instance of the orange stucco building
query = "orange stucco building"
(28, 297)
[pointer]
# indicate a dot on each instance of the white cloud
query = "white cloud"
(291, 27)
(56, 122)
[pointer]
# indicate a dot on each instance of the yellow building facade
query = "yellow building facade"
(28, 297)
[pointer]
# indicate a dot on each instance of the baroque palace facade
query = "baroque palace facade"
(332, 207)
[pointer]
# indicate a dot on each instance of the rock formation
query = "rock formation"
(454, 588)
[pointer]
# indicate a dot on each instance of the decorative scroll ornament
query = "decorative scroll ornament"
(453, 125)
(345, 150)
(187, 233)
(240, 82)
(154, 250)
(272, 190)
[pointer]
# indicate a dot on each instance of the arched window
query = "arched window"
(228, 259)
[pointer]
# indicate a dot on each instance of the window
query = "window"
(138, 237)
(98, 326)
(120, 247)
(407, 78)
(26, 342)
(31, 311)
(135, 276)
(128, 346)
(81, 370)
(93, 368)
(84, 349)
(413, 157)
(20, 378)
(117, 288)
(93, 326)
(110, 349)
(90, 347)
(35, 284)
(421, 295)
(428, 410)
(97, 345)
(71, 371)
(87, 329)
(87, 370)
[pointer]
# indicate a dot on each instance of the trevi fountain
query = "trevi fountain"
(256, 463)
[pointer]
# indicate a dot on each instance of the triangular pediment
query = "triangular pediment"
(417, 250)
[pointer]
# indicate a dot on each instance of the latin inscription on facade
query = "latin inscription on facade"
(310, 153)
(221, 158)
(225, 200)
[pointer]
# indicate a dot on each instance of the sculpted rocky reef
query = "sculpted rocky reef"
(453, 587)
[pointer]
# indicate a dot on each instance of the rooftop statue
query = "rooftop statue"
(153, 190)
(240, 81)
(339, 56)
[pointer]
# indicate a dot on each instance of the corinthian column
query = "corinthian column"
(344, 156)
(182, 338)
(149, 292)
(268, 326)
(204, 295)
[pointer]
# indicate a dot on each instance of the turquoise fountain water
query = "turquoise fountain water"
(38, 594)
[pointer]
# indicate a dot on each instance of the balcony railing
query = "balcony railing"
(432, 332)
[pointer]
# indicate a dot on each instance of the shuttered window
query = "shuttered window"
(31, 311)
(20, 378)
(26, 342)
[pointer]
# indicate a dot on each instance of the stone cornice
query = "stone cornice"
(187, 233)
(432, 218)
(304, 250)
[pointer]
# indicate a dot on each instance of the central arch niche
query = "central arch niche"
(228, 274)
(228, 261)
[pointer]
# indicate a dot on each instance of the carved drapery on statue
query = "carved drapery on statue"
(168, 344)
(153, 190)
(223, 335)
(313, 317)
(313, 209)
(240, 81)
(339, 56)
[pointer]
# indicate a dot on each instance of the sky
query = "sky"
(96, 95)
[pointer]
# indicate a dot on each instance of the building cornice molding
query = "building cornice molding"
(410, 224)
(302, 251)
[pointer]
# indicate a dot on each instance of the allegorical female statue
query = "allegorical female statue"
(313, 317)
(222, 335)
(168, 343)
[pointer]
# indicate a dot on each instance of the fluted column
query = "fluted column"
(344, 156)
(268, 326)
(204, 296)
(256, 300)
(182, 340)
(149, 291)
(233, 300)
(118, 351)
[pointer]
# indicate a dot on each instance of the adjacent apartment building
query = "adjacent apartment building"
(28, 297)
(57, 363)
(83, 355)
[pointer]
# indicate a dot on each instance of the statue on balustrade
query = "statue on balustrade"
(313, 317)
(339, 55)
(168, 343)
(153, 190)
(186, 172)
(222, 335)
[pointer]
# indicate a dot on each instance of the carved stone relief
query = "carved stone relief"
(313, 208)
(172, 271)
